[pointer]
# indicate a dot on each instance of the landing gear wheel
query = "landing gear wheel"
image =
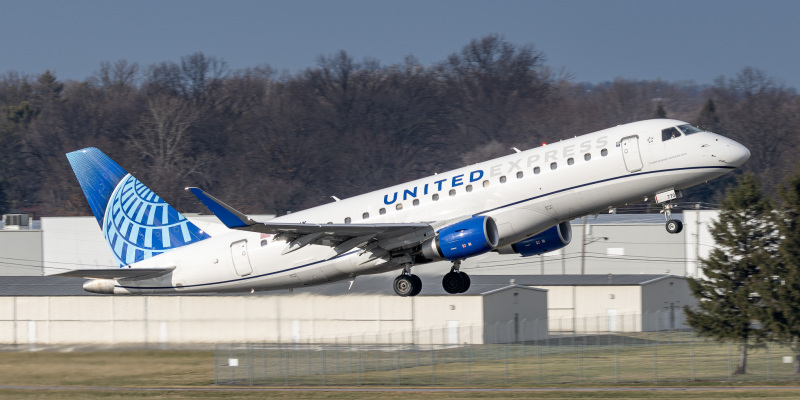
(674, 226)
(407, 285)
(467, 282)
(404, 285)
(417, 285)
(453, 282)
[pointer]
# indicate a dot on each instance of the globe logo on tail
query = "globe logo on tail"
(138, 224)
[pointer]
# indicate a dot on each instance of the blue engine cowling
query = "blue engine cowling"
(467, 238)
(552, 239)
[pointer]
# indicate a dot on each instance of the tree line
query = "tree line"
(270, 142)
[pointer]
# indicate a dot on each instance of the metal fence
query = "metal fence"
(418, 359)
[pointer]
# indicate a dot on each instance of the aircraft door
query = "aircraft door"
(630, 153)
(241, 258)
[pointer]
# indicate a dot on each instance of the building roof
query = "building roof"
(363, 285)
(614, 219)
(577, 280)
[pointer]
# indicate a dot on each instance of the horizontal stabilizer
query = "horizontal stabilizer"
(117, 273)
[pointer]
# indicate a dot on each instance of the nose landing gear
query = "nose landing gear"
(673, 225)
(456, 281)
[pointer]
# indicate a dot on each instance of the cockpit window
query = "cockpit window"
(689, 129)
(670, 133)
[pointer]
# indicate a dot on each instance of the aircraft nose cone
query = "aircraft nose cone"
(736, 154)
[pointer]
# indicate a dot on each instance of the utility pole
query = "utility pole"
(541, 260)
(697, 241)
(584, 242)
(583, 247)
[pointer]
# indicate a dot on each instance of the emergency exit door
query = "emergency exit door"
(241, 258)
(630, 153)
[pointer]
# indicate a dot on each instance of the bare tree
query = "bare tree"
(493, 83)
(119, 76)
(163, 140)
(764, 116)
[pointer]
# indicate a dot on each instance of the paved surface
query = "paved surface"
(409, 390)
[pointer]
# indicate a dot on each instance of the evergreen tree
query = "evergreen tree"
(708, 118)
(3, 200)
(781, 290)
(660, 111)
(746, 240)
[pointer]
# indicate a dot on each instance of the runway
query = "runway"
(411, 390)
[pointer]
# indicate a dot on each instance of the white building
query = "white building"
(479, 317)
(613, 303)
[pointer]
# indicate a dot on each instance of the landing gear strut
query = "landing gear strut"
(407, 284)
(673, 225)
(456, 281)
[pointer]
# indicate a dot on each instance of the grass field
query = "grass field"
(107, 368)
(493, 365)
(190, 374)
(643, 394)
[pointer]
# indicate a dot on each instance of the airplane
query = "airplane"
(517, 204)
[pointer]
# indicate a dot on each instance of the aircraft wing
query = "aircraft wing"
(388, 236)
(380, 230)
(117, 273)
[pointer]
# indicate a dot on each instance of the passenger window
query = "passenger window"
(486, 183)
(382, 211)
(399, 206)
(365, 215)
(553, 165)
(604, 152)
(469, 188)
(264, 243)
(435, 196)
(570, 161)
(347, 220)
(503, 179)
(587, 156)
(452, 192)
(670, 133)
(520, 175)
(416, 202)
(537, 170)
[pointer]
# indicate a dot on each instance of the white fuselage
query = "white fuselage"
(526, 193)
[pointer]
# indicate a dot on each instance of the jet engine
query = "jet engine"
(552, 239)
(102, 286)
(467, 238)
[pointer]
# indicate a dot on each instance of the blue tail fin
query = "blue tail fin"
(136, 223)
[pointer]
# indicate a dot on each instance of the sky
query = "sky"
(593, 41)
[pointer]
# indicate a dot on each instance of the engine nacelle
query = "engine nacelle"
(467, 238)
(552, 239)
(101, 286)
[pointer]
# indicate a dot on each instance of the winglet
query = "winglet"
(227, 215)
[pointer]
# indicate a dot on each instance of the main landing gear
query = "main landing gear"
(456, 281)
(407, 284)
(673, 225)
